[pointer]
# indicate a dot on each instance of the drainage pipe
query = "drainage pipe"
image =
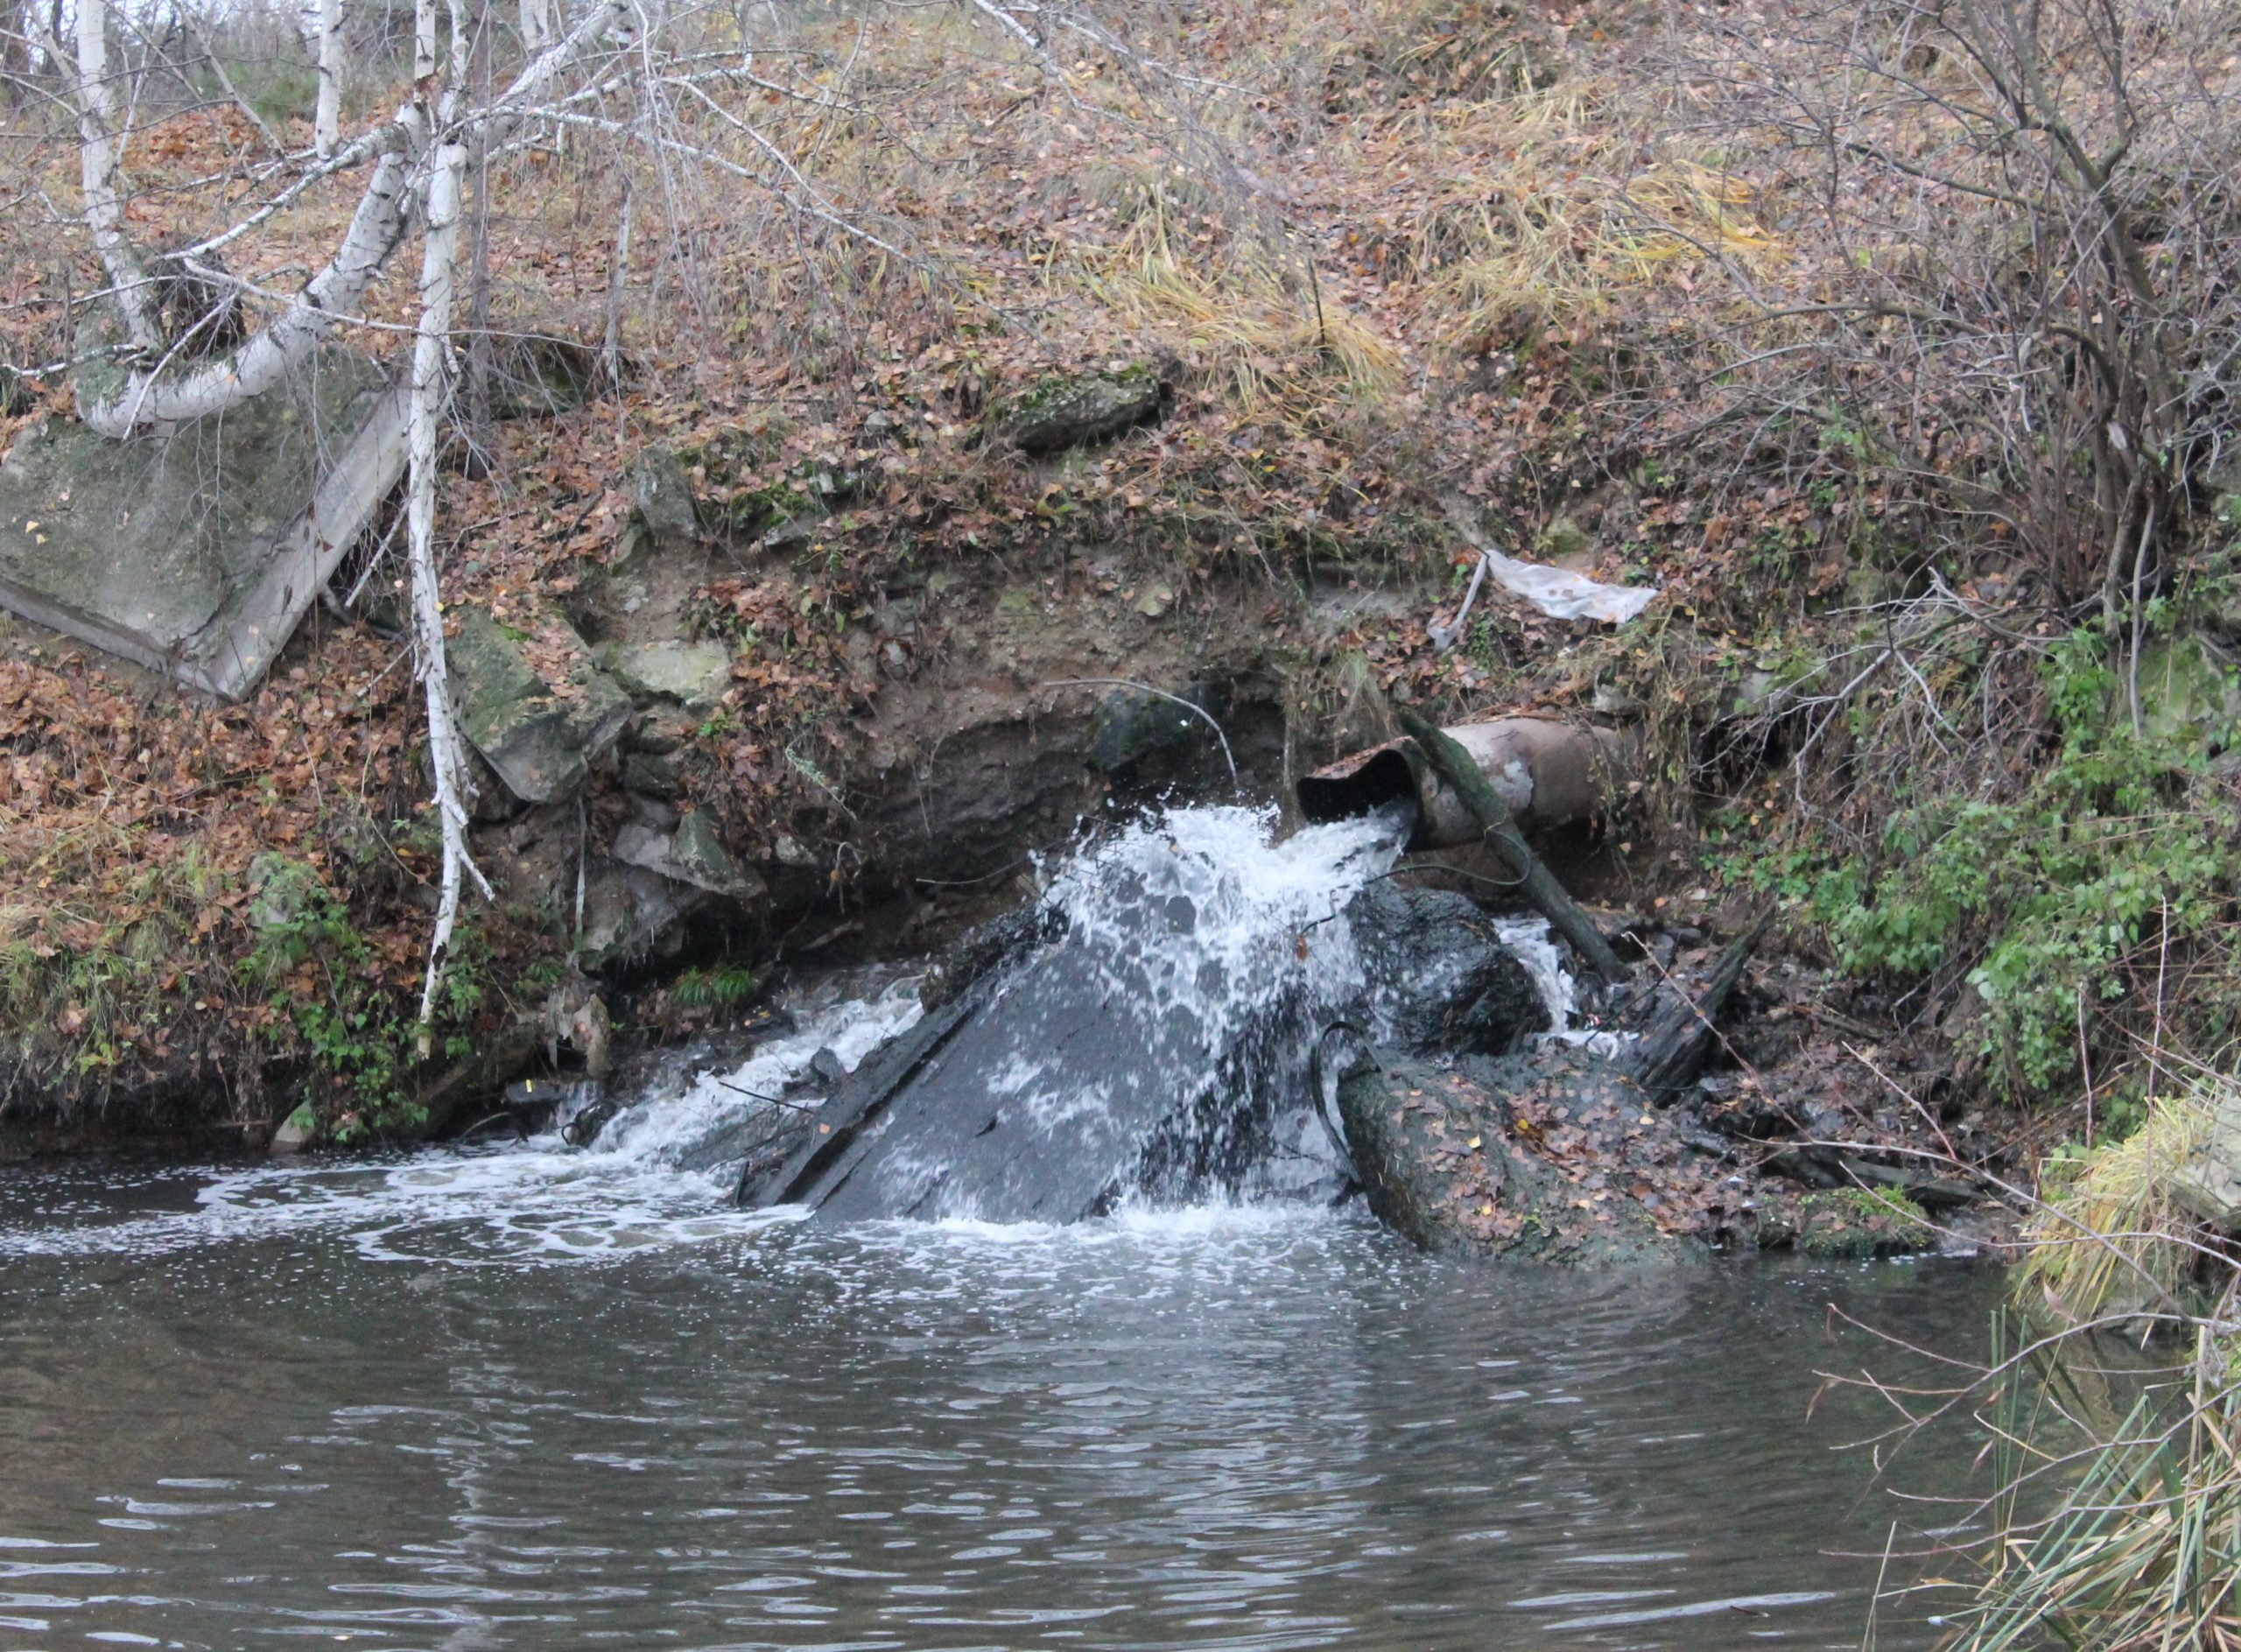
(1549, 771)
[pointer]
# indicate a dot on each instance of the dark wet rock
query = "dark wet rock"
(1550, 1156)
(1440, 978)
(1132, 723)
(1045, 1090)
(542, 736)
(1918, 1186)
(536, 1102)
(1061, 411)
(986, 947)
(1858, 1222)
(583, 1126)
(652, 775)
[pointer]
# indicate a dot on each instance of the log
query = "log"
(1536, 882)
(1678, 1041)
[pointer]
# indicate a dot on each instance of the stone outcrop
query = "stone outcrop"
(1059, 412)
(1553, 1157)
(541, 723)
(1440, 978)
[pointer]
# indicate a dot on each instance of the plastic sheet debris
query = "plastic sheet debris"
(1556, 593)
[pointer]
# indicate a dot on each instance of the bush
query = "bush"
(2116, 867)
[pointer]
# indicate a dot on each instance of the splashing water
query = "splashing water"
(1529, 941)
(1149, 1054)
(1211, 952)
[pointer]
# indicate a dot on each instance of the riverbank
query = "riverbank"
(800, 647)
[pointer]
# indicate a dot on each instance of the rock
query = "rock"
(2207, 1183)
(1454, 1165)
(692, 853)
(194, 550)
(2189, 694)
(658, 813)
(662, 733)
(281, 892)
(986, 947)
(574, 1016)
(542, 737)
(583, 1126)
(1060, 412)
(631, 913)
(1130, 723)
(1057, 1083)
(1858, 1222)
(1918, 1187)
(663, 492)
(1440, 978)
(297, 1131)
(694, 674)
(650, 775)
(1564, 542)
(1154, 600)
(537, 1102)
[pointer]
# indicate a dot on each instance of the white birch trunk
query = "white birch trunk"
(424, 40)
(136, 298)
(618, 278)
(376, 229)
(287, 341)
(537, 25)
(327, 120)
(431, 396)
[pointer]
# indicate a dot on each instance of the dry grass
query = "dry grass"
(2112, 1235)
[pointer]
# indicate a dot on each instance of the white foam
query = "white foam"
(1266, 947)
(1529, 942)
(662, 1128)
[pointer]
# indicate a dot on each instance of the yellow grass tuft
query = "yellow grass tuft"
(2112, 1235)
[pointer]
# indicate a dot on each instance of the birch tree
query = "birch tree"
(607, 73)
(327, 120)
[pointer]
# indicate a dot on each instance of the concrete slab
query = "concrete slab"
(194, 550)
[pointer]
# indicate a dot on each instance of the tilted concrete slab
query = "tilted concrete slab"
(194, 550)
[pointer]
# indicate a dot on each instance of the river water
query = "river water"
(296, 1405)
(523, 1396)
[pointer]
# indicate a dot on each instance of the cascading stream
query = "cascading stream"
(1157, 1050)
(1154, 1056)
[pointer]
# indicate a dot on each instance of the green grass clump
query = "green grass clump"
(1849, 1222)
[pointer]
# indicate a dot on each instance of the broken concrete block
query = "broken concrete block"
(194, 549)
(541, 730)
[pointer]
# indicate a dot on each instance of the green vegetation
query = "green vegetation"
(721, 986)
(1861, 1221)
(2117, 848)
(328, 1007)
(2141, 1546)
